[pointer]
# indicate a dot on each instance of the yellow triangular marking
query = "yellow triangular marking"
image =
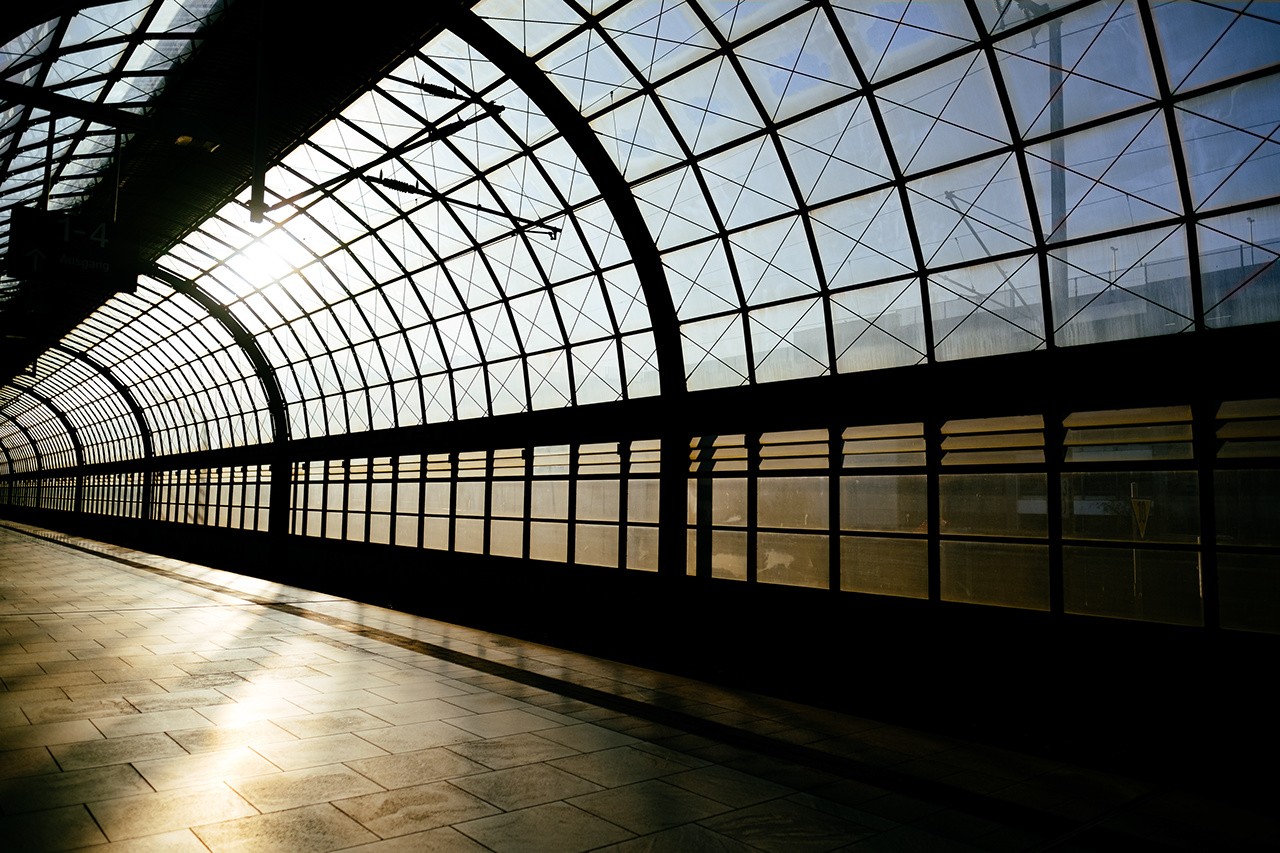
(1141, 512)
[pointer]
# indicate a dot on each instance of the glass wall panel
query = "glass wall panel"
(1247, 506)
(795, 559)
(596, 544)
(1249, 592)
(797, 502)
(728, 554)
(994, 504)
(1146, 584)
(895, 503)
(1131, 506)
(996, 573)
(506, 538)
(549, 541)
(642, 548)
(885, 566)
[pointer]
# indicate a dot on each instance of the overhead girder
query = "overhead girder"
(73, 435)
(586, 144)
(139, 416)
(35, 448)
(262, 368)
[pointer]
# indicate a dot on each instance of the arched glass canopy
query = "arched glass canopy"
(830, 188)
(553, 204)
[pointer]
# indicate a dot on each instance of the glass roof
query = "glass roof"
(559, 203)
(109, 54)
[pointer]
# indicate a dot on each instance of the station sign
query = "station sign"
(63, 249)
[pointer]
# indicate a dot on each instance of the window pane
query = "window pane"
(999, 574)
(800, 502)
(1155, 586)
(885, 566)
(896, 503)
(994, 504)
(1129, 506)
(796, 559)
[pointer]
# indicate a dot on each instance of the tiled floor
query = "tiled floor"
(154, 705)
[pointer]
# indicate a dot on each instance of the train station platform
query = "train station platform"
(150, 704)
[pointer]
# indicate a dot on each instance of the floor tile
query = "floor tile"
(57, 829)
(587, 737)
(648, 807)
(157, 721)
(787, 827)
(97, 753)
(446, 839)
(310, 829)
(316, 751)
(682, 839)
(226, 737)
(184, 770)
(501, 723)
(621, 766)
(728, 786)
(410, 738)
(71, 787)
(344, 741)
(178, 841)
(408, 810)
(32, 761)
(529, 785)
(498, 753)
(415, 768)
(279, 791)
(164, 811)
(329, 723)
(550, 828)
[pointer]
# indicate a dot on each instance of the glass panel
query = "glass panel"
(548, 541)
(895, 503)
(885, 566)
(1247, 506)
(549, 499)
(506, 538)
(470, 498)
(1125, 287)
(987, 310)
(437, 500)
(998, 574)
(1249, 592)
(1239, 276)
(407, 530)
(596, 544)
(469, 535)
(598, 501)
(1154, 586)
(728, 555)
(800, 502)
(795, 559)
(642, 500)
(435, 533)
(994, 504)
(380, 528)
(642, 548)
(1150, 506)
(728, 500)
(508, 498)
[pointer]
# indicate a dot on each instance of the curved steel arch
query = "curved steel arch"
(72, 433)
(584, 142)
(144, 431)
(35, 448)
(246, 342)
(76, 444)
